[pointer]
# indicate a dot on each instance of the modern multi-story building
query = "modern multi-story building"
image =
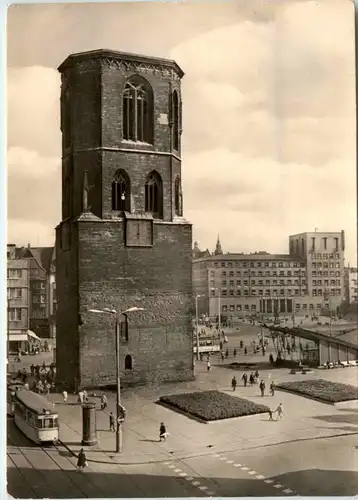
(350, 285)
(301, 282)
(18, 293)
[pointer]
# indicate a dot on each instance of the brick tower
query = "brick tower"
(123, 240)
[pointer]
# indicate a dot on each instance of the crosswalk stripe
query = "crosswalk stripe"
(171, 466)
(237, 465)
(177, 470)
(203, 488)
(196, 483)
(211, 493)
(252, 472)
(183, 474)
(287, 490)
(260, 476)
(278, 486)
(188, 478)
(244, 468)
(268, 481)
(230, 462)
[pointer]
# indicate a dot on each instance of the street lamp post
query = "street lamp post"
(219, 307)
(197, 326)
(117, 315)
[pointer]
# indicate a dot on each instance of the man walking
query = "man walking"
(279, 411)
(65, 396)
(244, 378)
(262, 388)
(234, 383)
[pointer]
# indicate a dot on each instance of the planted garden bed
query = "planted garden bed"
(212, 405)
(322, 390)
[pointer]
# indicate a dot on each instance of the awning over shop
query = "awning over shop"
(17, 336)
(32, 335)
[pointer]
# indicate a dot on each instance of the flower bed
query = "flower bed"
(322, 390)
(212, 405)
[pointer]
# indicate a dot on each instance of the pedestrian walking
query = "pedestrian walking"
(257, 374)
(235, 352)
(271, 412)
(80, 397)
(208, 364)
(262, 388)
(163, 434)
(32, 369)
(227, 353)
(252, 379)
(43, 367)
(244, 378)
(272, 388)
(222, 356)
(245, 350)
(47, 387)
(104, 402)
(85, 396)
(279, 411)
(234, 383)
(82, 461)
(65, 396)
(111, 422)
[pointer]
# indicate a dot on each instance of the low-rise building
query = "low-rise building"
(350, 285)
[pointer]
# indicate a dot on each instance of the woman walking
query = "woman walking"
(82, 460)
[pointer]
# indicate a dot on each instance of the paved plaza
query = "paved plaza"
(312, 451)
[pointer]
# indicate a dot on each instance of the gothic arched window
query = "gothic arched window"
(177, 196)
(175, 105)
(138, 111)
(128, 363)
(124, 328)
(121, 191)
(154, 195)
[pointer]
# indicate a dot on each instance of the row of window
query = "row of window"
(14, 273)
(253, 308)
(14, 313)
(260, 282)
(325, 265)
(319, 292)
(326, 282)
(255, 293)
(315, 274)
(14, 293)
(39, 299)
(261, 273)
(138, 122)
(324, 241)
(240, 263)
(324, 256)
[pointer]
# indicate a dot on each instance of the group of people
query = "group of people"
(254, 378)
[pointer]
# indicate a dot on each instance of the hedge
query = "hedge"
(322, 390)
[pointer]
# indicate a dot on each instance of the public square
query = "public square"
(311, 451)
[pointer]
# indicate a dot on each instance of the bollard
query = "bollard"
(89, 435)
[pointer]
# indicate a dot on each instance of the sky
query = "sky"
(268, 112)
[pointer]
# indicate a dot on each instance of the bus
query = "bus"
(35, 417)
(207, 343)
(10, 397)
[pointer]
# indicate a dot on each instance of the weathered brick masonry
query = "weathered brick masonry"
(98, 263)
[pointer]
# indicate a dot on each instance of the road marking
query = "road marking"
(244, 468)
(287, 491)
(216, 455)
(237, 465)
(183, 474)
(252, 472)
(177, 470)
(196, 483)
(268, 481)
(260, 476)
(211, 493)
(230, 462)
(171, 466)
(222, 458)
(278, 486)
(188, 478)
(203, 488)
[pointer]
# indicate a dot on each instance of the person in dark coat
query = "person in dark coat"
(262, 388)
(234, 383)
(235, 352)
(162, 432)
(244, 378)
(81, 461)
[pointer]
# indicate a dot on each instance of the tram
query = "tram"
(34, 415)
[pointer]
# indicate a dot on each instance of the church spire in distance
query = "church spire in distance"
(218, 249)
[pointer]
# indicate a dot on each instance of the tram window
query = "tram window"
(55, 422)
(39, 423)
(20, 410)
(32, 419)
(48, 423)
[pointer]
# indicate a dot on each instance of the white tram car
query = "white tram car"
(11, 396)
(35, 417)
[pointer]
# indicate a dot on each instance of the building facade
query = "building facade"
(123, 241)
(18, 294)
(350, 285)
(294, 283)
